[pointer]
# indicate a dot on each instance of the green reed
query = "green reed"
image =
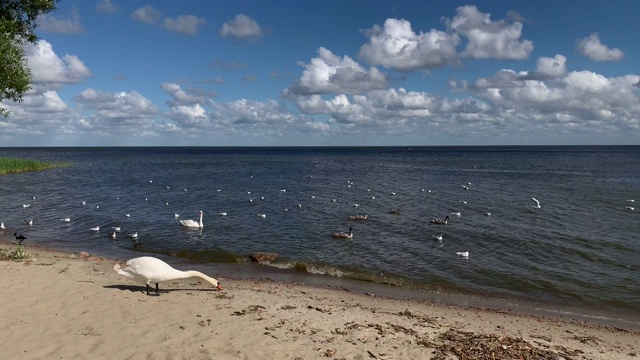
(12, 166)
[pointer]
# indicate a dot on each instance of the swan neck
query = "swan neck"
(198, 274)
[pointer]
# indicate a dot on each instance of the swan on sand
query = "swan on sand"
(192, 223)
(147, 270)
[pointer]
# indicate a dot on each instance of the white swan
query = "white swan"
(464, 254)
(344, 235)
(147, 269)
(192, 223)
(537, 203)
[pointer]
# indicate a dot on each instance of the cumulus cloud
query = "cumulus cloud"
(106, 7)
(118, 107)
(182, 97)
(49, 71)
(489, 39)
(184, 24)
(52, 24)
(592, 48)
(549, 68)
(242, 27)
(189, 116)
(147, 14)
(395, 45)
(328, 73)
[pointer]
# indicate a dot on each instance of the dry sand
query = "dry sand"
(62, 306)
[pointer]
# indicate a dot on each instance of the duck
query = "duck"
(344, 235)
(395, 212)
(359, 217)
(148, 269)
(440, 221)
(193, 224)
(464, 254)
(20, 238)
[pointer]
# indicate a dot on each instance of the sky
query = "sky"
(331, 73)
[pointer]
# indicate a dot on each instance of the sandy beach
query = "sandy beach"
(66, 306)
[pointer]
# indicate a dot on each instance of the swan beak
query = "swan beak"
(219, 287)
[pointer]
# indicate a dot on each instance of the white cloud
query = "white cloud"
(106, 7)
(52, 24)
(147, 14)
(242, 27)
(329, 73)
(182, 97)
(184, 24)
(189, 116)
(489, 39)
(50, 71)
(548, 68)
(396, 46)
(592, 48)
(119, 107)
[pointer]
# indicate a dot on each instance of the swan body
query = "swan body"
(440, 221)
(537, 206)
(147, 270)
(193, 223)
(359, 217)
(344, 235)
(464, 254)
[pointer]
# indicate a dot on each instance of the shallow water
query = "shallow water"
(580, 249)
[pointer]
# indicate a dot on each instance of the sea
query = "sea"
(575, 255)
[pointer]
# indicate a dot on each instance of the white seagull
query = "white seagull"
(537, 203)
(264, 216)
(223, 213)
(630, 208)
(2, 227)
(97, 228)
(464, 254)
(133, 235)
(438, 237)
(146, 270)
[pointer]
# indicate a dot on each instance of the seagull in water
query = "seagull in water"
(66, 220)
(438, 237)
(2, 227)
(537, 203)
(464, 254)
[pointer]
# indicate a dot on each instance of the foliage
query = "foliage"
(16, 254)
(12, 166)
(18, 21)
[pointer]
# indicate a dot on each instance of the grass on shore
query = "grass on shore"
(16, 254)
(12, 166)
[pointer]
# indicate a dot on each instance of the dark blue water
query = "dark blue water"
(580, 249)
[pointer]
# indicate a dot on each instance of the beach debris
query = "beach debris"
(263, 256)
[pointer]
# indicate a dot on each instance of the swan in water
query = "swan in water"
(464, 254)
(147, 269)
(344, 235)
(440, 221)
(537, 206)
(192, 223)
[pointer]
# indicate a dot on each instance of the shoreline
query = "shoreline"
(74, 307)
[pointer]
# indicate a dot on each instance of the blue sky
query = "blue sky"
(328, 73)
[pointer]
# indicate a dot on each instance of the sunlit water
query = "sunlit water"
(580, 250)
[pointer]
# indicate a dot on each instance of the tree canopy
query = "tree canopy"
(18, 21)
